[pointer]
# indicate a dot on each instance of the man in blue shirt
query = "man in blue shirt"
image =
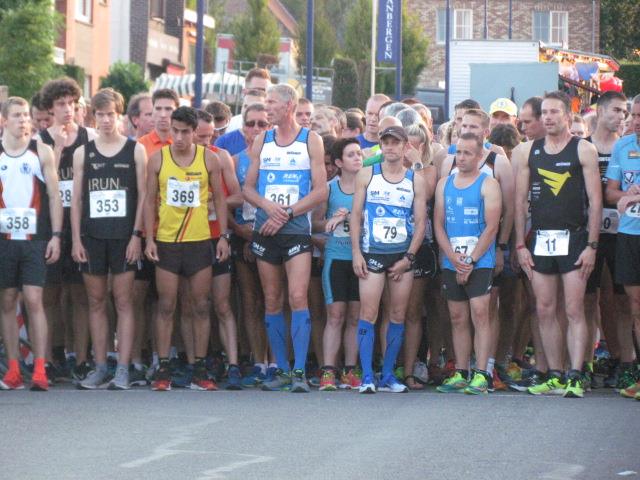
(369, 138)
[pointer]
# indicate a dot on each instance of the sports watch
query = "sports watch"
(289, 211)
(593, 245)
(469, 261)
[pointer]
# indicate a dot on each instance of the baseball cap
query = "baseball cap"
(395, 132)
(503, 105)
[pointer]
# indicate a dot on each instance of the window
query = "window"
(461, 25)
(156, 9)
(551, 27)
(83, 10)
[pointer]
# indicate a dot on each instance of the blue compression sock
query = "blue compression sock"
(366, 336)
(395, 335)
(276, 330)
(300, 335)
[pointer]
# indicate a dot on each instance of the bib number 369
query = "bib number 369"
(183, 194)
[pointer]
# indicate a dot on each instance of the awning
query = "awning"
(212, 84)
(605, 62)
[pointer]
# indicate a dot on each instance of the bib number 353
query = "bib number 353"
(108, 204)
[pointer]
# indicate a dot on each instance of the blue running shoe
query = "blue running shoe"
(255, 378)
(234, 378)
(181, 378)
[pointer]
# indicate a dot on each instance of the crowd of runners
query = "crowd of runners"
(297, 245)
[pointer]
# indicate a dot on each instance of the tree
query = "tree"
(615, 38)
(24, 67)
(126, 78)
(325, 43)
(345, 77)
(255, 32)
(214, 8)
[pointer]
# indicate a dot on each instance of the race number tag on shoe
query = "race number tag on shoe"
(66, 190)
(18, 221)
(464, 245)
(552, 243)
(285, 195)
(342, 230)
(107, 203)
(610, 220)
(183, 194)
(389, 230)
(633, 211)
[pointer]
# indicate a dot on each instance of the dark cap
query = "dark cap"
(395, 132)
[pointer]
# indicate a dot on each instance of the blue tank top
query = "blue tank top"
(387, 226)
(464, 220)
(284, 177)
(338, 245)
(246, 213)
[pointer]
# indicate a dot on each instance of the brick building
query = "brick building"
(572, 24)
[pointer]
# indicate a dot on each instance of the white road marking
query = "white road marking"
(217, 473)
(627, 473)
(563, 471)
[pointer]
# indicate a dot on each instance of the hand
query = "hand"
(526, 262)
(271, 227)
(338, 217)
(623, 203)
(462, 278)
(458, 263)
(247, 254)
(134, 250)
(78, 253)
(151, 250)
(52, 253)
(634, 190)
(398, 269)
(222, 250)
(513, 259)
(359, 266)
(277, 212)
(412, 154)
(499, 262)
(586, 260)
(60, 136)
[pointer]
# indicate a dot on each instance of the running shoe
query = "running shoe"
(399, 372)
(255, 378)
(112, 364)
(182, 377)
(95, 379)
(281, 381)
(456, 383)
(535, 379)
(120, 380)
(299, 382)
(496, 383)
(627, 378)
(391, 384)
(632, 391)
(201, 380)
(368, 385)
(137, 378)
(436, 374)
(449, 368)
(479, 384)
(613, 372)
(161, 379)
(514, 371)
(350, 379)
(12, 381)
(234, 378)
(80, 371)
(421, 372)
(553, 386)
(39, 382)
(575, 387)
(314, 381)
(328, 380)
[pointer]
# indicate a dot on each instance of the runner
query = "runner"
(503, 111)
(285, 181)
(30, 231)
(384, 244)
(370, 136)
(530, 119)
(562, 173)
(140, 114)
(106, 225)
(233, 141)
(41, 118)
(304, 112)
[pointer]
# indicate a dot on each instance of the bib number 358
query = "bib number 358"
(18, 221)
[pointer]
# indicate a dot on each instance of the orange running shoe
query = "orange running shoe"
(328, 380)
(350, 379)
(162, 379)
(12, 381)
(631, 391)
(39, 382)
(498, 384)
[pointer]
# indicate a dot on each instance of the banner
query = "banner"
(389, 12)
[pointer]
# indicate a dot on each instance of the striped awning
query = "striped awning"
(213, 84)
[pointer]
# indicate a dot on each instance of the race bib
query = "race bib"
(248, 212)
(389, 230)
(552, 243)
(342, 230)
(18, 221)
(108, 204)
(285, 195)
(66, 190)
(183, 194)
(633, 211)
(610, 220)
(464, 245)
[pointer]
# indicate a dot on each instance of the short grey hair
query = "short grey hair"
(286, 92)
(408, 116)
(391, 109)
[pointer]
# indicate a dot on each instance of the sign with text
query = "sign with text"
(389, 12)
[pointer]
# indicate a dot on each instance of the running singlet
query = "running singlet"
(387, 214)
(285, 178)
(110, 192)
(184, 191)
(558, 194)
(214, 223)
(65, 171)
(610, 217)
(246, 213)
(487, 166)
(624, 167)
(453, 148)
(338, 246)
(465, 222)
(24, 202)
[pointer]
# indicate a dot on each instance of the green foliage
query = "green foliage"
(325, 42)
(630, 73)
(255, 32)
(72, 71)
(619, 32)
(345, 82)
(26, 65)
(357, 35)
(126, 78)
(214, 8)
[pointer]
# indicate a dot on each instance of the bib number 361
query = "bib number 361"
(18, 221)
(552, 243)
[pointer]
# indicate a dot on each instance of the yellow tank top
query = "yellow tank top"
(184, 191)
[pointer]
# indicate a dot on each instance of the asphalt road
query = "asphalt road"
(139, 434)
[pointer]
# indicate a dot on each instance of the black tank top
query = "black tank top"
(109, 192)
(65, 171)
(558, 194)
(603, 164)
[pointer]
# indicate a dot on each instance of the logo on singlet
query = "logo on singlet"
(629, 177)
(555, 180)
(25, 168)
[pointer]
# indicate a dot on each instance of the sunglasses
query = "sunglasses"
(252, 123)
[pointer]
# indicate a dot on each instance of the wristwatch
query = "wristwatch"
(289, 211)
(56, 234)
(503, 246)
(137, 233)
(417, 166)
(226, 236)
(411, 257)
(593, 245)
(469, 261)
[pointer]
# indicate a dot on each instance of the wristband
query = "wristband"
(520, 247)
(56, 234)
